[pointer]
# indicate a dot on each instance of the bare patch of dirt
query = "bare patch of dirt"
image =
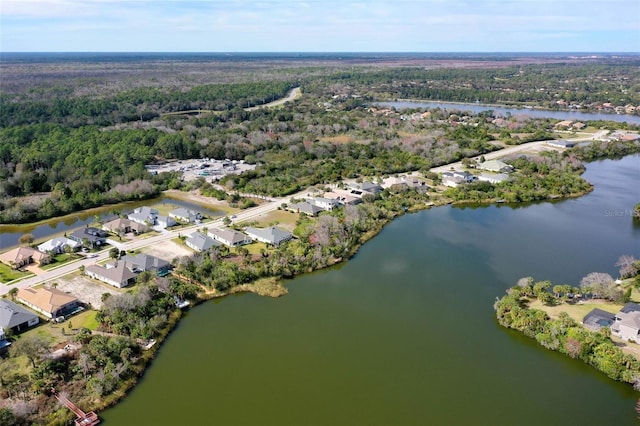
(86, 289)
(168, 250)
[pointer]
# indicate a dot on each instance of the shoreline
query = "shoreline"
(514, 106)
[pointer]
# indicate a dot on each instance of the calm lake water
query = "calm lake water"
(536, 113)
(404, 333)
(10, 234)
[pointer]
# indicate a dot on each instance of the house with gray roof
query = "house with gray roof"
(16, 318)
(145, 262)
(271, 235)
(117, 274)
(229, 237)
(305, 207)
(94, 236)
(597, 319)
(201, 242)
(368, 187)
(184, 215)
(165, 221)
(144, 215)
(495, 166)
(494, 178)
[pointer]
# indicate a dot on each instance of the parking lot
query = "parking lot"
(210, 169)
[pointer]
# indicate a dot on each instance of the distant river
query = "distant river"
(537, 113)
(404, 333)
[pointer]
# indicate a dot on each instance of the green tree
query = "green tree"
(26, 239)
(32, 346)
(13, 292)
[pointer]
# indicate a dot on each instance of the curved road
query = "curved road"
(242, 216)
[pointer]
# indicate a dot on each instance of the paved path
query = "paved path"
(139, 243)
(245, 215)
(504, 152)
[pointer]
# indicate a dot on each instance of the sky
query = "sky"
(320, 26)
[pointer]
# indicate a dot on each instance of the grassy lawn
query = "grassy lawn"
(283, 218)
(59, 260)
(254, 248)
(577, 311)
(7, 274)
(86, 319)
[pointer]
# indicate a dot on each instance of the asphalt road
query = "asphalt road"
(240, 217)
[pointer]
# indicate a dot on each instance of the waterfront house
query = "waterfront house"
(344, 197)
(497, 178)
(229, 237)
(145, 262)
(597, 319)
(165, 221)
(561, 144)
(272, 235)
(16, 318)
(305, 208)
(455, 178)
(59, 245)
(144, 215)
(93, 237)
(201, 242)
(22, 256)
(50, 302)
(124, 226)
(117, 274)
(185, 215)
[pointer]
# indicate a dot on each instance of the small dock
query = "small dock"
(83, 419)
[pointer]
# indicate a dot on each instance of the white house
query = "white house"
(326, 204)
(185, 215)
(58, 245)
(144, 215)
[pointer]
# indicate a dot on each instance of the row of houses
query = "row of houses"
(215, 237)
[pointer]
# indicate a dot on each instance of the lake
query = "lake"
(503, 111)
(405, 332)
(10, 234)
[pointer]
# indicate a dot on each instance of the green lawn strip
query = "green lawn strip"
(7, 274)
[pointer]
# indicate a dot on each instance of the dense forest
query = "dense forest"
(83, 148)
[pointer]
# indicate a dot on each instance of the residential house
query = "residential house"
(184, 215)
(125, 226)
(327, 204)
(50, 302)
(16, 318)
(201, 242)
(23, 256)
(561, 144)
(496, 166)
(404, 182)
(497, 178)
(597, 319)
(93, 236)
(229, 237)
(271, 235)
(145, 262)
(58, 245)
(455, 178)
(144, 215)
(344, 197)
(367, 187)
(305, 208)
(117, 274)
(165, 221)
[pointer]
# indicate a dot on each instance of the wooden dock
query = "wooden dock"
(83, 419)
